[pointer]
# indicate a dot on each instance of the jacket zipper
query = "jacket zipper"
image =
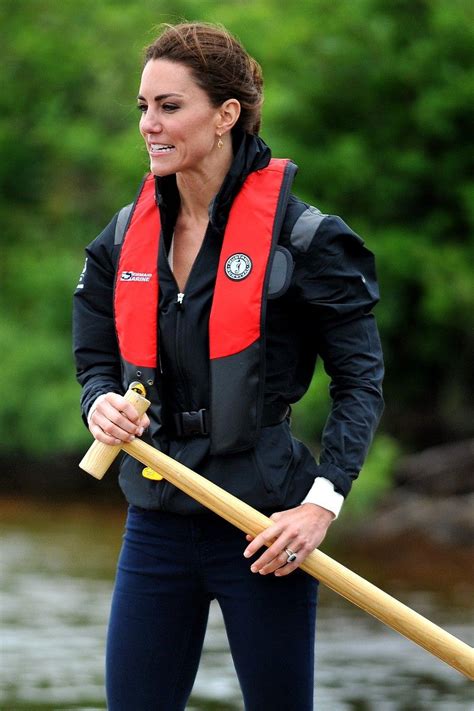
(180, 346)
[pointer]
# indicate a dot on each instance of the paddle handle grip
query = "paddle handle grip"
(100, 456)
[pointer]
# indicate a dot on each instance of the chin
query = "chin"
(161, 171)
(161, 167)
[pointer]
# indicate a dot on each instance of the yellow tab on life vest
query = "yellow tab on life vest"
(150, 474)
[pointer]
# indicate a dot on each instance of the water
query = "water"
(57, 566)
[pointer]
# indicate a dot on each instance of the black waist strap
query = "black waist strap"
(196, 422)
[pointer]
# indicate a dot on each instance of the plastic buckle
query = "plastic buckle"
(193, 423)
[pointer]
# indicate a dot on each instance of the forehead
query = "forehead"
(160, 76)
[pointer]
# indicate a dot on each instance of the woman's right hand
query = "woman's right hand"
(113, 420)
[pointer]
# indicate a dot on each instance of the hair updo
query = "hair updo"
(219, 65)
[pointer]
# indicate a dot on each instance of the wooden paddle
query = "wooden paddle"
(351, 586)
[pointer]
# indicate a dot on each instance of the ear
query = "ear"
(229, 113)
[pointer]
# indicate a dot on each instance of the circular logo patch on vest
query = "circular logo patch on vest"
(238, 266)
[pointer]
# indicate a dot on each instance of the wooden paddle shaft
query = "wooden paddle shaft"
(337, 577)
(340, 579)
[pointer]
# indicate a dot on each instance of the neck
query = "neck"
(198, 187)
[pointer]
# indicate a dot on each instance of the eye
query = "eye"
(142, 108)
(169, 108)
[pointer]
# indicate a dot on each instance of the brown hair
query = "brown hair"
(219, 65)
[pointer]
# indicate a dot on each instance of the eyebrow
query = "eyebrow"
(160, 97)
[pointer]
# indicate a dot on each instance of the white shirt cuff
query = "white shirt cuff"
(323, 494)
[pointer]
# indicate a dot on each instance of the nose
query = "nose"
(149, 122)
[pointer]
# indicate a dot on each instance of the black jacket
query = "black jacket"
(325, 310)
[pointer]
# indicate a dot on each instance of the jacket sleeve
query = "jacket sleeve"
(338, 284)
(95, 347)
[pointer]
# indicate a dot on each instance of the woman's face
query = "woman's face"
(178, 122)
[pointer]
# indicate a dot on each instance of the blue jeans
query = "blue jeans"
(170, 568)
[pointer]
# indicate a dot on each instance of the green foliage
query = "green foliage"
(376, 475)
(309, 414)
(375, 478)
(371, 98)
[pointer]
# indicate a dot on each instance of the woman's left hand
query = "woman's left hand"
(300, 530)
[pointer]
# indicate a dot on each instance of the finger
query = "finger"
(113, 423)
(119, 403)
(265, 538)
(128, 411)
(114, 403)
(287, 569)
(276, 552)
(102, 436)
(143, 423)
(121, 413)
(275, 549)
(102, 427)
(277, 563)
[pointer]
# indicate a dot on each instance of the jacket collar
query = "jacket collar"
(250, 153)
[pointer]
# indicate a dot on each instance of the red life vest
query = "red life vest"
(236, 354)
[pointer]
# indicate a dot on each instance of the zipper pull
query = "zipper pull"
(179, 300)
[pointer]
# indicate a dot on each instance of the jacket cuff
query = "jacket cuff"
(342, 482)
(323, 493)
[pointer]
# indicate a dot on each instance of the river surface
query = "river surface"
(57, 567)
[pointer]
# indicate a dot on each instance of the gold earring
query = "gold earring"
(220, 142)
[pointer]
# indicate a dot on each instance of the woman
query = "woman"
(218, 289)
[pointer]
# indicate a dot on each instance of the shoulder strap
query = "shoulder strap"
(136, 281)
(122, 223)
(237, 320)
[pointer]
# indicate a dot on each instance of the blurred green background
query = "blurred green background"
(371, 98)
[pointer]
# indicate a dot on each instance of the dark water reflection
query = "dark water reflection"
(57, 567)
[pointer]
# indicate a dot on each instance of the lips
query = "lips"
(159, 148)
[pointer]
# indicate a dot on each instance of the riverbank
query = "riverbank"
(422, 529)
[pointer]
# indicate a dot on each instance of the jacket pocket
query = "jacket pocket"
(275, 459)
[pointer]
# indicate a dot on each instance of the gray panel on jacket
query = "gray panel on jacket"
(121, 223)
(280, 274)
(305, 227)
